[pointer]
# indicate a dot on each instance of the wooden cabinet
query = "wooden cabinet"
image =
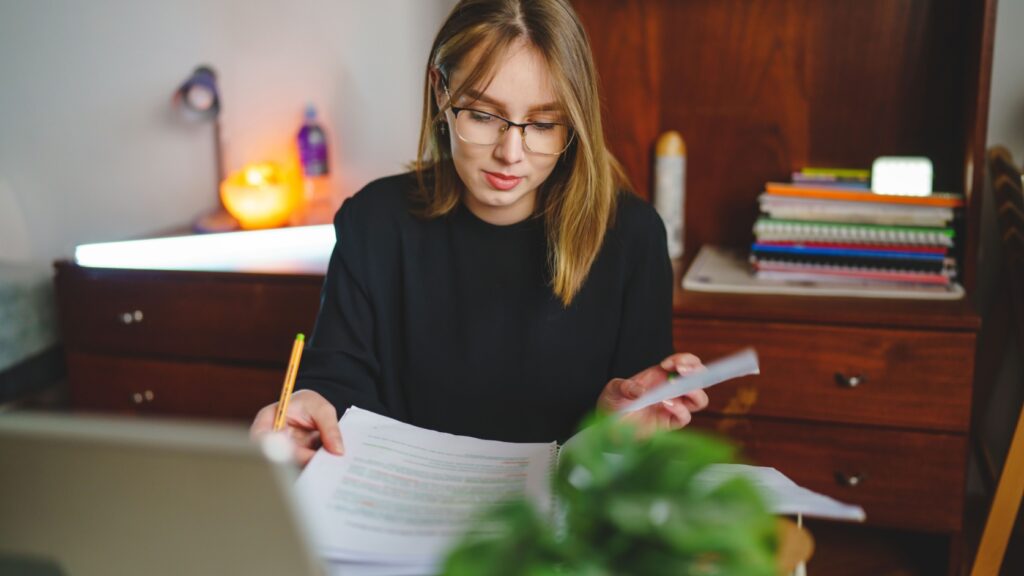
(902, 478)
(878, 416)
(881, 377)
(865, 400)
(169, 343)
(868, 401)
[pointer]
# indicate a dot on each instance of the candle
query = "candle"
(261, 195)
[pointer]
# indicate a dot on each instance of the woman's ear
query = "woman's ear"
(436, 85)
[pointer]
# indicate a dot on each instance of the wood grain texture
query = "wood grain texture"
(914, 380)
(759, 88)
(909, 480)
(980, 25)
(114, 384)
(630, 71)
(197, 315)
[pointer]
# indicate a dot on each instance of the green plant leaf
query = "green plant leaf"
(631, 506)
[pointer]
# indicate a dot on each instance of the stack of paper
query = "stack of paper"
(401, 496)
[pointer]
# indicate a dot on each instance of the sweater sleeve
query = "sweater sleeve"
(645, 331)
(340, 361)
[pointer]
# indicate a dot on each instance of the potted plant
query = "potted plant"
(628, 504)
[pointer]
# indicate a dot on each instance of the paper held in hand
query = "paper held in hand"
(742, 363)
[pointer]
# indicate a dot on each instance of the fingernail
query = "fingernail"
(668, 403)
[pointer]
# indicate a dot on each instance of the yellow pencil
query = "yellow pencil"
(289, 383)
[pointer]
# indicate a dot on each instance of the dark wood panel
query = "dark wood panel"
(918, 380)
(111, 384)
(761, 87)
(625, 38)
(980, 25)
(185, 315)
(910, 480)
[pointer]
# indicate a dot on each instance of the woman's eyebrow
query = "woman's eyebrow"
(481, 97)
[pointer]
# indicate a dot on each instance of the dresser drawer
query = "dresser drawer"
(912, 379)
(113, 384)
(912, 480)
(185, 315)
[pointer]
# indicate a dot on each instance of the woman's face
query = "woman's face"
(501, 179)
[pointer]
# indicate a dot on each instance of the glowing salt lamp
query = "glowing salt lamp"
(261, 195)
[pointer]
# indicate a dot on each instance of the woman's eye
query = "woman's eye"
(480, 116)
(543, 126)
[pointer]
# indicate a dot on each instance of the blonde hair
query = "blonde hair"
(578, 200)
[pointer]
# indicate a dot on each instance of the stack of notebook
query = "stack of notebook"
(827, 226)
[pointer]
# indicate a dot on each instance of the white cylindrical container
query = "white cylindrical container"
(670, 187)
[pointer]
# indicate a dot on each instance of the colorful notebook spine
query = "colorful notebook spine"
(854, 194)
(769, 228)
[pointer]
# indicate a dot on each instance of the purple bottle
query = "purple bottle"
(312, 145)
(312, 141)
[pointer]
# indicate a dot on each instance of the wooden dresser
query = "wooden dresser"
(194, 344)
(866, 401)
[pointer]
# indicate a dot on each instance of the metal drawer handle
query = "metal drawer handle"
(849, 381)
(140, 397)
(131, 317)
(850, 480)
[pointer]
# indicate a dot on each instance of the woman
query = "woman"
(508, 285)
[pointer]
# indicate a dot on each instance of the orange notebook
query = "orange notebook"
(851, 194)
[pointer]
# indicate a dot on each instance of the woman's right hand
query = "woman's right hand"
(311, 421)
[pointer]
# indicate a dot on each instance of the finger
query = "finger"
(629, 388)
(264, 421)
(666, 420)
(673, 360)
(303, 455)
(695, 401)
(651, 377)
(325, 417)
(304, 437)
(686, 363)
(679, 415)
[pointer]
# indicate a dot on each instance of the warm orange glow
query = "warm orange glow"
(261, 195)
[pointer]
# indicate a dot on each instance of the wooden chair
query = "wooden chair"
(1009, 315)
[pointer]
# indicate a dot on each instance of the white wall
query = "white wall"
(91, 150)
(1006, 108)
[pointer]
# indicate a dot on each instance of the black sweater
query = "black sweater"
(451, 323)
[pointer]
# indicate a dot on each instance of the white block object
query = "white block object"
(902, 176)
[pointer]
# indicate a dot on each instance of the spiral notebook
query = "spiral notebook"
(401, 495)
(770, 229)
(818, 209)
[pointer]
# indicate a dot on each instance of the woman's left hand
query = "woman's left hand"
(669, 414)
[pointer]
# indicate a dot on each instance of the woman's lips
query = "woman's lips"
(500, 181)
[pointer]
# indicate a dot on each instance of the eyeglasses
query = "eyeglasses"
(486, 129)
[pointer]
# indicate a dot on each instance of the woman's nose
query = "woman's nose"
(510, 147)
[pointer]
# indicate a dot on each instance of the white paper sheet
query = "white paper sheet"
(742, 363)
(403, 494)
(784, 496)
